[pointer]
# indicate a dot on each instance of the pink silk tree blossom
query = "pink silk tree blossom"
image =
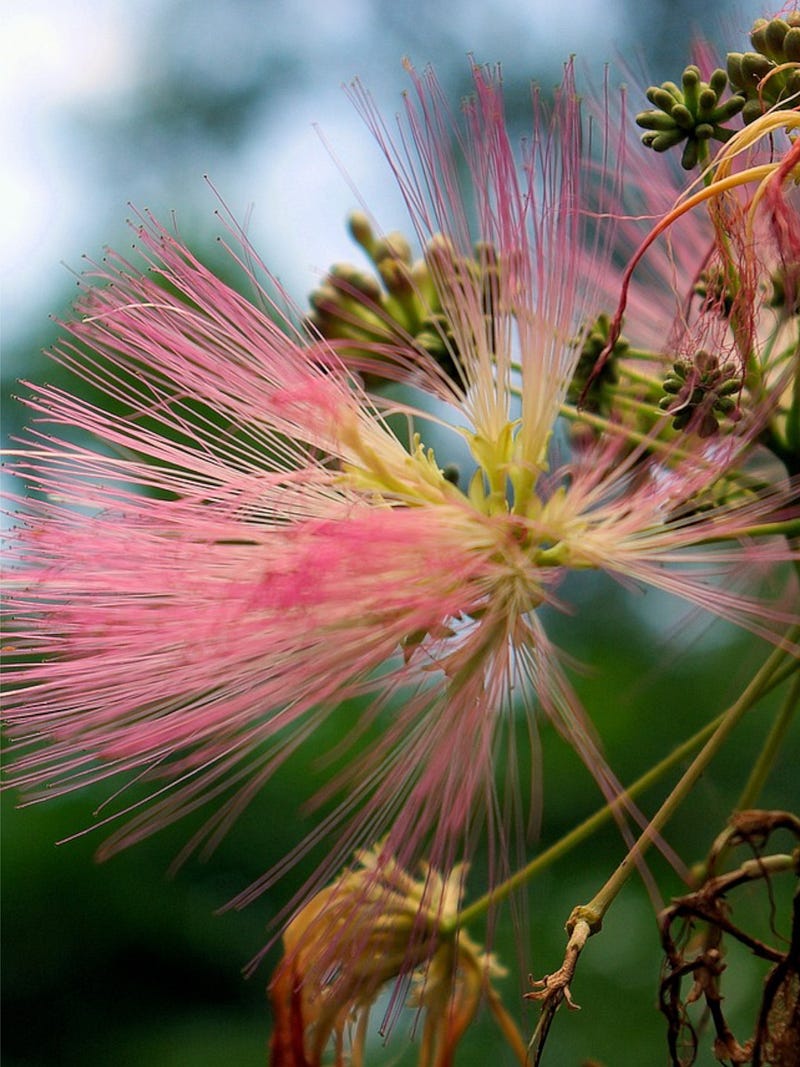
(253, 537)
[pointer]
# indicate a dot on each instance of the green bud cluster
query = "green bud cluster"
(700, 392)
(713, 288)
(404, 300)
(364, 307)
(599, 395)
(770, 74)
(693, 112)
(786, 289)
(458, 280)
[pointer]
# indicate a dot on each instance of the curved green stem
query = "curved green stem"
(772, 745)
(595, 910)
(598, 422)
(640, 378)
(758, 776)
(789, 528)
(772, 674)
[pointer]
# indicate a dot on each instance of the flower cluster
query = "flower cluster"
(701, 383)
(769, 75)
(695, 112)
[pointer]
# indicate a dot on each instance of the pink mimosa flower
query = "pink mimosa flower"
(253, 538)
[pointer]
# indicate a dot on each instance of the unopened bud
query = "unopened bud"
(354, 281)
(774, 36)
(361, 231)
(791, 45)
(392, 246)
(396, 276)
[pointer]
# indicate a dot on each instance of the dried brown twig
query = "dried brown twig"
(776, 1040)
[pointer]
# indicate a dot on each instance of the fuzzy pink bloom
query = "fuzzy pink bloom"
(249, 542)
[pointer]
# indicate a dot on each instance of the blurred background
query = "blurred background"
(107, 103)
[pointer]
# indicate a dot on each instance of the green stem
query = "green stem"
(790, 528)
(793, 414)
(632, 375)
(642, 355)
(703, 160)
(760, 686)
(634, 404)
(755, 783)
(653, 444)
(787, 670)
(772, 745)
(593, 912)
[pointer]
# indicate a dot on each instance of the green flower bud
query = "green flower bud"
(682, 116)
(729, 108)
(403, 300)
(699, 392)
(357, 280)
(768, 76)
(751, 111)
(693, 113)
(655, 120)
(600, 394)
(392, 246)
(396, 276)
(707, 100)
(734, 68)
(361, 231)
(323, 298)
(775, 34)
(791, 45)
(662, 142)
(786, 289)
(718, 83)
(690, 155)
(758, 37)
(662, 98)
(691, 89)
(755, 67)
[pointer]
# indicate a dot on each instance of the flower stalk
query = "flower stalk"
(586, 920)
